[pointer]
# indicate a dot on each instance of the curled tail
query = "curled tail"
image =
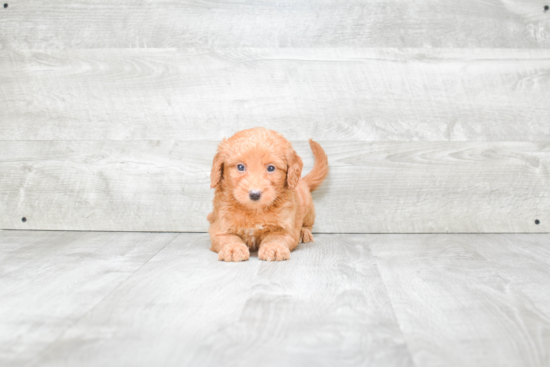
(320, 168)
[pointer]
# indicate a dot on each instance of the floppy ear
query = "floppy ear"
(294, 171)
(217, 171)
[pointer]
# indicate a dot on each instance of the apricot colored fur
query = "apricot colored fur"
(284, 214)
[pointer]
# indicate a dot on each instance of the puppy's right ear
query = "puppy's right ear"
(216, 174)
(294, 171)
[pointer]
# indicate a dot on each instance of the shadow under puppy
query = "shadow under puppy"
(261, 203)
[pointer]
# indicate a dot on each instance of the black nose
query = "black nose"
(255, 195)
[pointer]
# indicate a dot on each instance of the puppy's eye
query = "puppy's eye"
(270, 168)
(240, 167)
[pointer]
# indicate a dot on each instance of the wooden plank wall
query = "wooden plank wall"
(434, 114)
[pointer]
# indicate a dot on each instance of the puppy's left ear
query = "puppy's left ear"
(294, 171)
(217, 171)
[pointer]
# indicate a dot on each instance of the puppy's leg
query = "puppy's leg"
(305, 235)
(229, 247)
(309, 219)
(277, 246)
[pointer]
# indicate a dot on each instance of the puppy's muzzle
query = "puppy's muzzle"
(254, 195)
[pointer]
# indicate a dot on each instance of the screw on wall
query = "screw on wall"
(5, 6)
(537, 221)
(24, 219)
(546, 8)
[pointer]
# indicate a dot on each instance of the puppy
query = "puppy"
(261, 203)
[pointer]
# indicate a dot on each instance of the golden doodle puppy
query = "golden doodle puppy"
(261, 202)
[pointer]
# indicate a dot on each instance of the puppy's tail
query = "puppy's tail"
(320, 168)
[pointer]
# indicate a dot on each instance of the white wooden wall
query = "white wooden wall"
(435, 114)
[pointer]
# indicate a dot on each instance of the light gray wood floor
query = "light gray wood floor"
(162, 299)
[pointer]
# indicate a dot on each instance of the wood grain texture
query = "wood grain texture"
(325, 306)
(377, 187)
(40, 24)
(461, 300)
(328, 94)
(47, 287)
(141, 299)
(14, 244)
(164, 314)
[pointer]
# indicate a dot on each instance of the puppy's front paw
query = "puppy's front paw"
(234, 252)
(306, 235)
(273, 251)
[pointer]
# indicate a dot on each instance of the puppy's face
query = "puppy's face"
(255, 166)
(256, 177)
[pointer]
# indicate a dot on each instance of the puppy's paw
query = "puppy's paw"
(234, 252)
(273, 251)
(306, 235)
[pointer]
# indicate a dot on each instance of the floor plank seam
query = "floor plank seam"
(393, 310)
(506, 279)
(241, 313)
(102, 299)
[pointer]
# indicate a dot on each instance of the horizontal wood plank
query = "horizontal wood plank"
(382, 187)
(40, 24)
(328, 94)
